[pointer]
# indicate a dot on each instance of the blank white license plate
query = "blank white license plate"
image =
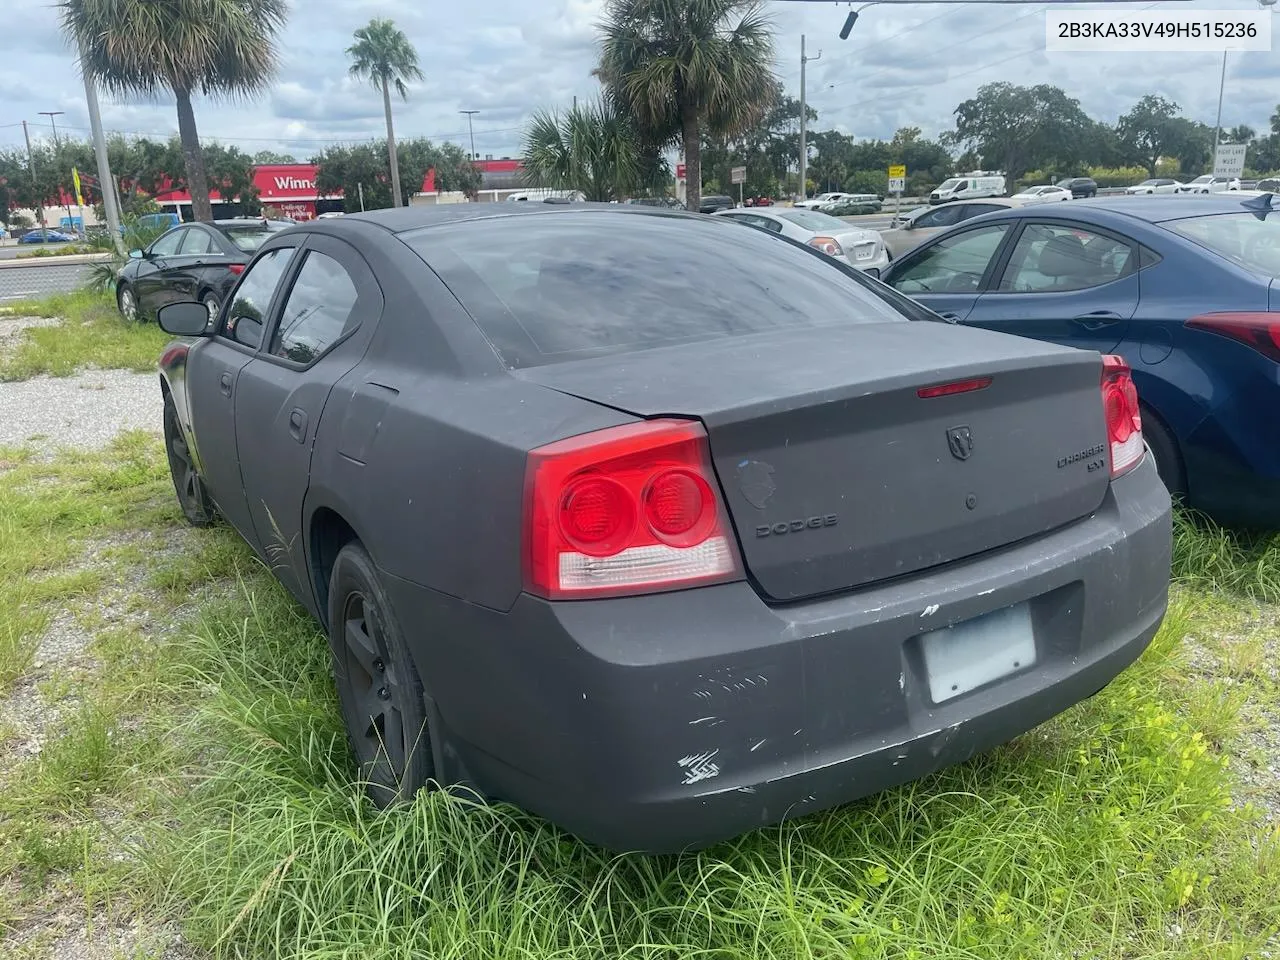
(967, 655)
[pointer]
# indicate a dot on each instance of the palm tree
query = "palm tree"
(681, 64)
(591, 148)
(211, 47)
(383, 55)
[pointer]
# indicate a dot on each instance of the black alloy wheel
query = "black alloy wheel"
(378, 687)
(193, 498)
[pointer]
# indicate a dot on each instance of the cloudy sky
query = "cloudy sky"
(905, 65)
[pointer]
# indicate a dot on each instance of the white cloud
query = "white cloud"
(902, 65)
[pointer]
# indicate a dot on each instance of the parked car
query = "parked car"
(862, 249)
(665, 203)
(813, 203)
(1080, 186)
(196, 261)
(925, 222)
(1185, 289)
(758, 202)
(1210, 184)
(1154, 185)
(714, 202)
(47, 235)
(968, 188)
(1269, 185)
(1044, 194)
(717, 521)
(852, 205)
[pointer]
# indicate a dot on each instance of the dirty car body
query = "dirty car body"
(687, 529)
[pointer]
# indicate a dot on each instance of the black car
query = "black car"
(196, 261)
(715, 202)
(1080, 186)
(662, 528)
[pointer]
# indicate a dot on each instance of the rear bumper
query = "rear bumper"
(676, 720)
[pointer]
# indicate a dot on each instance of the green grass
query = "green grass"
(1212, 558)
(1114, 831)
(92, 334)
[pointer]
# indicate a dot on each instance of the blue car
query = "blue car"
(1184, 288)
(47, 236)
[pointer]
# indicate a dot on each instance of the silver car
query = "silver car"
(861, 248)
(923, 222)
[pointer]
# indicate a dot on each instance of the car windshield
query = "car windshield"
(251, 236)
(1150, 183)
(948, 184)
(1242, 238)
(557, 287)
(813, 220)
(1204, 179)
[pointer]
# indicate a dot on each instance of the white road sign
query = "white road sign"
(738, 175)
(1230, 160)
(897, 184)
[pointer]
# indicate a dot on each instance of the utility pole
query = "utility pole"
(106, 183)
(470, 114)
(57, 147)
(35, 187)
(1217, 125)
(804, 150)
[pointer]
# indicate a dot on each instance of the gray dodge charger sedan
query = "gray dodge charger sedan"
(661, 528)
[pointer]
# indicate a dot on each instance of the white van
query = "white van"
(968, 188)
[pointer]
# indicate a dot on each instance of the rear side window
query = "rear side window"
(196, 242)
(1051, 258)
(317, 311)
(549, 288)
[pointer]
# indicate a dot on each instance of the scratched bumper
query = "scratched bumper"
(676, 720)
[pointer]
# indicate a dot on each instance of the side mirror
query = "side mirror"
(184, 319)
(136, 254)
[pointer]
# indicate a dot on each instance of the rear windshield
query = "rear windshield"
(250, 237)
(812, 220)
(555, 287)
(1242, 238)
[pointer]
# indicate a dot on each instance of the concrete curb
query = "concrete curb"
(69, 260)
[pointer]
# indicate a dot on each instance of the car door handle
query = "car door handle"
(1099, 320)
(298, 424)
(224, 384)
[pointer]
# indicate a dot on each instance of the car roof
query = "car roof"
(403, 219)
(1161, 207)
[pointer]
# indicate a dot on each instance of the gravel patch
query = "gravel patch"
(86, 410)
(12, 326)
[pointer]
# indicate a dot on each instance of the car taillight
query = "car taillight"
(236, 268)
(827, 245)
(625, 510)
(1124, 420)
(1258, 330)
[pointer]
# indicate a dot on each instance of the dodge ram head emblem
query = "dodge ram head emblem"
(755, 480)
(960, 440)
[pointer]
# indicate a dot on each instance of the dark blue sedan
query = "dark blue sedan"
(47, 236)
(1184, 288)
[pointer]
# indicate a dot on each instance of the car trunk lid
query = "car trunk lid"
(835, 470)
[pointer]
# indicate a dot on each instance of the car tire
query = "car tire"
(211, 304)
(382, 701)
(1164, 448)
(193, 497)
(127, 303)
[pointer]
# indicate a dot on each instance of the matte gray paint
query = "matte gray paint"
(684, 717)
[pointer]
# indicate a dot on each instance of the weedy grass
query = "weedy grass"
(1110, 832)
(1213, 558)
(92, 334)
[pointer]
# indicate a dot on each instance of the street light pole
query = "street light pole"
(471, 130)
(1217, 124)
(804, 148)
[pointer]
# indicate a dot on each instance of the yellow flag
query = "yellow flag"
(75, 178)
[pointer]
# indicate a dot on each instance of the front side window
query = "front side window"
(195, 243)
(941, 217)
(246, 318)
(1050, 258)
(167, 245)
(545, 289)
(318, 310)
(954, 264)
(948, 185)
